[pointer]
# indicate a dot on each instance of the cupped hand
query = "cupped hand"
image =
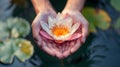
(77, 18)
(36, 27)
(52, 48)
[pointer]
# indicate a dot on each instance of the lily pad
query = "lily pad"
(19, 27)
(20, 48)
(88, 14)
(4, 32)
(103, 19)
(115, 4)
(92, 28)
(96, 18)
(117, 25)
(23, 49)
(6, 52)
(14, 27)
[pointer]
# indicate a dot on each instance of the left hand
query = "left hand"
(77, 17)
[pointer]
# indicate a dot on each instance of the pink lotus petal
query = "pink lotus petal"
(46, 35)
(75, 36)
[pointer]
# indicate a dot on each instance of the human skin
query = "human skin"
(73, 8)
(44, 9)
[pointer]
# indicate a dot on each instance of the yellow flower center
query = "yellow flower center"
(25, 47)
(60, 30)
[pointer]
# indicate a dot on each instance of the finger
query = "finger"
(47, 49)
(84, 34)
(49, 45)
(66, 47)
(63, 48)
(39, 43)
(57, 52)
(68, 52)
(72, 44)
(84, 28)
(36, 24)
(35, 30)
(38, 40)
(76, 46)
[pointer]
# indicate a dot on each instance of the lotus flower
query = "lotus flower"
(60, 32)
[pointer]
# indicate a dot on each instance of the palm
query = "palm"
(77, 17)
(58, 51)
(51, 49)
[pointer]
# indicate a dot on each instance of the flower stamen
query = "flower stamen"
(59, 30)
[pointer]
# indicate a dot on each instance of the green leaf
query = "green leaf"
(20, 48)
(92, 28)
(88, 13)
(103, 20)
(14, 33)
(6, 52)
(4, 33)
(14, 27)
(19, 27)
(115, 4)
(23, 49)
(96, 18)
(117, 24)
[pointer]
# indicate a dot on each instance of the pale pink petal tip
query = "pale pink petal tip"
(75, 36)
(46, 35)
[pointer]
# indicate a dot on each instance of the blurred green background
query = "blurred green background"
(101, 49)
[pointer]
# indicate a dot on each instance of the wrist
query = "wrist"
(45, 9)
(74, 8)
(41, 5)
(70, 11)
(76, 5)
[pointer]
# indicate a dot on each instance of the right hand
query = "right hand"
(36, 27)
